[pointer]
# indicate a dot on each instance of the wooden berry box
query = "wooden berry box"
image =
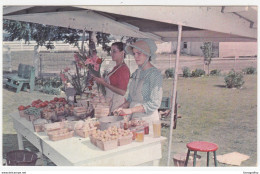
(29, 117)
(60, 134)
(79, 111)
(125, 140)
(48, 115)
(107, 145)
(93, 140)
(21, 113)
(38, 128)
(84, 133)
(39, 125)
(53, 126)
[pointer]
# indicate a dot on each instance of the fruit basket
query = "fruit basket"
(84, 132)
(82, 102)
(93, 139)
(39, 125)
(53, 126)
(32, 113)
(107, 145)
(85, 128)
(124, 140)
(80, 111)
(21, 113)
(60, 134)
(48, 114)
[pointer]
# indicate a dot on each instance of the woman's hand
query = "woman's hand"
(100, 80)
(123, 112)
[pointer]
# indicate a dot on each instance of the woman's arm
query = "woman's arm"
(129, 111)
(112, 88)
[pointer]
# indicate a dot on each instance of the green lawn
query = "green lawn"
(210, 112)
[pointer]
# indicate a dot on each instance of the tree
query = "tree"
(45, 35)
(207, 52)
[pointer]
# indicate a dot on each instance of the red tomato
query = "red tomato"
(56, 99)
(37, 106)
(99, 61)
(20, 108)
(34, 102)
(27, 106)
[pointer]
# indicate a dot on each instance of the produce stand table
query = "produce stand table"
(78, 151)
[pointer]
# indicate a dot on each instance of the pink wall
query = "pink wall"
(228, 49)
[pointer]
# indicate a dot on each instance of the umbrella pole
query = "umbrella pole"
(173, 95)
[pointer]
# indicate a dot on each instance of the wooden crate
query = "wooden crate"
(125, 140)
(60, 134)
(84, 133)
(107, 145)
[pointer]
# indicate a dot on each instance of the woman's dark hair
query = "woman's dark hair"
(119, 45)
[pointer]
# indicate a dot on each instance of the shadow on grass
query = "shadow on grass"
(9, 88)
(220, 86)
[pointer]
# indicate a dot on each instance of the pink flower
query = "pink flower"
(96, 67)
(62, 76)
(80, 65)
(76, 57)
(66, 69)
(88, 61)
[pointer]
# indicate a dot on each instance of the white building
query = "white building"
(220, 49)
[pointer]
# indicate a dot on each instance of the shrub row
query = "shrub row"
(232, 80)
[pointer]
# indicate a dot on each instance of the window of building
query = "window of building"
(185, 45)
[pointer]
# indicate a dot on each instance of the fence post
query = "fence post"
(40, 66)
(235, 62)
(7, 59)
(36, 61)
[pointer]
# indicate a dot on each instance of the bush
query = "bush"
(215, 72)
(51, 85)
(198, 73)
(186, 72)
(249, 70)
(234, 79)
(170, 73)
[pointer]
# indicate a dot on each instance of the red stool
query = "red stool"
(201, 146)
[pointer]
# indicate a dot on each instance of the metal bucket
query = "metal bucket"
(106, 122)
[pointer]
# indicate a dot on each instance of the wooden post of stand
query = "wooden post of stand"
(173, 96)
(36, 61)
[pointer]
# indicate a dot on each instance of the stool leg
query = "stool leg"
(215, 158)
(194, 158)
(207, 159)
(187, 158)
